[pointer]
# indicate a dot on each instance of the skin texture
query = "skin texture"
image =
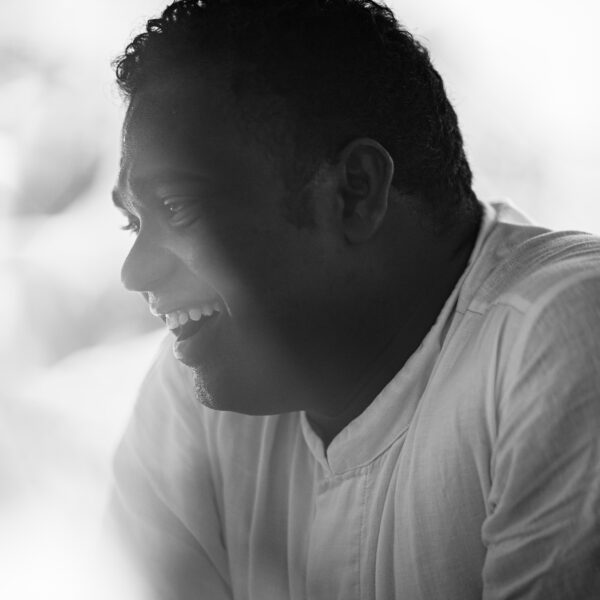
(318, 319)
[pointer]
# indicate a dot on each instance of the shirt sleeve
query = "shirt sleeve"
(163, 506)
(543, 530)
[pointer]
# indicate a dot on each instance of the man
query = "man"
(378, 387)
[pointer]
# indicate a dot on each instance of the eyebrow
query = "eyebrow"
(140, 185)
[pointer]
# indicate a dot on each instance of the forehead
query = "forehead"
(173, 123)
(192, 130)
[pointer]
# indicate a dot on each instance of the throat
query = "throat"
(393, 351)
(327, 424)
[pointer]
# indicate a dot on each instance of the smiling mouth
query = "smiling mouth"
(190, 328)
(184, 323)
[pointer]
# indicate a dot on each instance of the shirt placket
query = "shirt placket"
(333, 567)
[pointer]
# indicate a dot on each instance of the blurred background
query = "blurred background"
(523, 76)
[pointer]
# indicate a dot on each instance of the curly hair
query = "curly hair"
(331, 71)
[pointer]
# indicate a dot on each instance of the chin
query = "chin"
(243, 370)
(229, 390)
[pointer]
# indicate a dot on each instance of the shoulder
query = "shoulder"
(545, 489)
(537, 268)
(541, 308)
(531, 318)
(546, 292)
(554, 364)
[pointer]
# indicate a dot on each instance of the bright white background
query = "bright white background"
(523, 76)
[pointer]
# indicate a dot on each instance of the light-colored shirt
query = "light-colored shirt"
(475, 473)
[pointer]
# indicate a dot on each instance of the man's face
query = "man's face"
(255, 303)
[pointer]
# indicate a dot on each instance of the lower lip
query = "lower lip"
(193, 350)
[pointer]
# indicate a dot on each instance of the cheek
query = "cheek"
(259, 262)
(244, 264)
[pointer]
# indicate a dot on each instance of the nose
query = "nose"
(147, 266)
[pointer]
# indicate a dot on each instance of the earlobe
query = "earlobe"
(366, 170)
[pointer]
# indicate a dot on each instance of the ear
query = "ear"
(365, 171)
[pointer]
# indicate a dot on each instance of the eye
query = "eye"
(181, 210)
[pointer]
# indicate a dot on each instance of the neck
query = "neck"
(401, 332)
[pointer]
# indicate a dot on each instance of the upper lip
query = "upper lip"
(158, 309)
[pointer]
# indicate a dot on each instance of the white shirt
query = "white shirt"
(475, 473)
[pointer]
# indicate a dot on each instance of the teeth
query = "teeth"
(195, 314)
(181, 317)
(172, 320)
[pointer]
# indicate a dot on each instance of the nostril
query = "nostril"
(141, 282)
